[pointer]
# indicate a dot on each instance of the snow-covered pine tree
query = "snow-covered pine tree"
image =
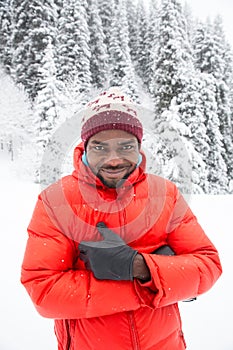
(121, 67)
(99, 56)
(59, 4)
(106, 12)
(20, 42)
(210, 50)
(141, 59)
(229, 81)
(202, 43)
(198, 108)
(46, 111)
(5, 34)
(115, 57)
(16, 117)
(67, 45)
(50, 98)
(34, 25)
(178, 160)
(132, 27)
(190, 107)
(223, 94)
(172, 52)
(217, 171)
(151, 38)
(190, 21)
(175, 82)
(73, 52)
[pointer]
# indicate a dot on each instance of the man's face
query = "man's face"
(112, 155)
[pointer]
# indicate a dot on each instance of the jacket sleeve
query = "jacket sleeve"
(57, 289)
(193, 269)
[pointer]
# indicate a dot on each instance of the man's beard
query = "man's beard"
(114, 183)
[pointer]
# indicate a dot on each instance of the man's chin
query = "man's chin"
(112, 183)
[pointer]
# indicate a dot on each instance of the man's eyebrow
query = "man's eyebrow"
(96, 142)
(123, 143)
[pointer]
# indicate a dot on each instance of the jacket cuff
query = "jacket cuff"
(145, 294)
(151, 291)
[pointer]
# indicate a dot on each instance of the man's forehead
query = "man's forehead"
(117, 136)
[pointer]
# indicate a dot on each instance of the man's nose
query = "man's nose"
(113, 158)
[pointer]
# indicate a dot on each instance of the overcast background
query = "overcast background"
(211, 8)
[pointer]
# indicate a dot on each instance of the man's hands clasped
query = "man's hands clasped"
(111, 258)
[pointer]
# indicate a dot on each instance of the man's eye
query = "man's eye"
(127, 147)
(99, 148)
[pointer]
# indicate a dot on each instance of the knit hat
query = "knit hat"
(111, 110)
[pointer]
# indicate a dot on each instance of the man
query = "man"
(111, 249)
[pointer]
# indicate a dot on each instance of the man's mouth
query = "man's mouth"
(114, 172)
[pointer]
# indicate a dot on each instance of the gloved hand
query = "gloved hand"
(164, 250)
(110, 258)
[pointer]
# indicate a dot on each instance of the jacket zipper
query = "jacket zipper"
(133, 331)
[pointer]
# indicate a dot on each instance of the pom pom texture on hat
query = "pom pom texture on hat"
(111, 110)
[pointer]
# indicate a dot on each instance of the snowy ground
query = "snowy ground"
(207, 322)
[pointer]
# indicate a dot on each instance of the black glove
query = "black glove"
(164, 250)
(109, 259)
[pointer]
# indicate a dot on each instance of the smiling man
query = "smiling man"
(112, 136)
(112, 249)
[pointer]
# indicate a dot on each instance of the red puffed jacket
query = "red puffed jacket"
(91, 314)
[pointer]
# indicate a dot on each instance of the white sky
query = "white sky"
(211, 8)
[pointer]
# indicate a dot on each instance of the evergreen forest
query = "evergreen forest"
(56, 55)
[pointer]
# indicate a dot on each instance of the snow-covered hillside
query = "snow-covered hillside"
(206, 322)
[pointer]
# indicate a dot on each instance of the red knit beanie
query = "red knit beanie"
(111, 110)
